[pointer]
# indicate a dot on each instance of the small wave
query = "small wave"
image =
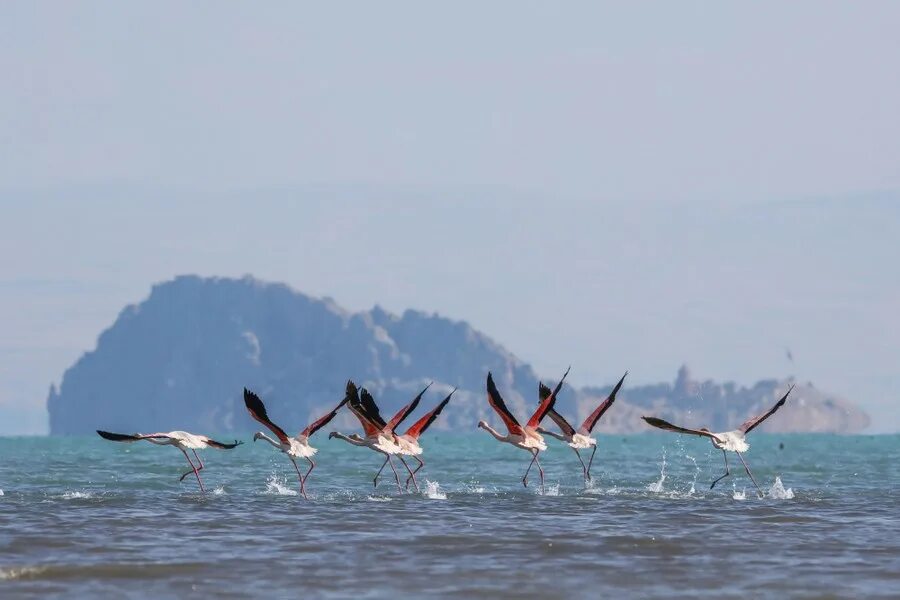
(778, 491)
(21, 573)
(433, 491)
(378, 499)
(276, 487)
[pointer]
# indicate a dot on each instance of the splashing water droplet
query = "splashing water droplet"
(433, 491)
(657, 486)
(779, 492)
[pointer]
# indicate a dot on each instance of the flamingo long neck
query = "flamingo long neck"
(263, 436)
(349, 439)
(553, 434)
(495, 433)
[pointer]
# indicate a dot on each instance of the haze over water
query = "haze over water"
(80, 516)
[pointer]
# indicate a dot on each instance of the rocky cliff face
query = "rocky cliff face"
(180, 359)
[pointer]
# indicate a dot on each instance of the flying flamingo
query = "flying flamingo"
(527, 438)
(377, 439)
(580, 439)
(182, 440)
(294, 447)
(732, 441)
(409, 441)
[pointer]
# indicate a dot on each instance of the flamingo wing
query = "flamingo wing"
(669, 427)
(497, 403)
(257, 410)
(419, 427)
(751, 424)
(405, 411)
(592, 419)
(222, 445)
(136, 437)
(546, 404)
(371, 409)
(323, 421)
(543, 393)
(370, 427)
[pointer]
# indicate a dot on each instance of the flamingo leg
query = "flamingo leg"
(396, 476)
(299, 476)
(416, 470)
(200, 468)
(591, 461)
(411, 474)
(387, 457)
(727, 472)
(194, 469)
(583, 468)
(525, 477)
(540, 469)
(312, 466)
(751, 475)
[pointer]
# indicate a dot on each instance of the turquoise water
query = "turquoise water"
(85, 517)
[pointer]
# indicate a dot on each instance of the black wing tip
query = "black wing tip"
(115, 437)
(543, 391)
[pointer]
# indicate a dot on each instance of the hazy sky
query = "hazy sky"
(614, 187)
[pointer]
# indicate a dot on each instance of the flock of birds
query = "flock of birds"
(384, 438)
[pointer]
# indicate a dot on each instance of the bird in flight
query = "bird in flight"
(728, 441)
(579, 439)
(409, 441)
(294, 447)
(182, 440)
(379, 434)
(526, 438)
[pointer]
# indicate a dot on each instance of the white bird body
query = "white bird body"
(579, 439)
(581, 442)
(294, 447)
(728, 441)
(409, 446)
(733, 441)
(525, 437)
(182, 440)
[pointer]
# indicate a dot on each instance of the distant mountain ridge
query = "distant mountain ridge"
(180, 358)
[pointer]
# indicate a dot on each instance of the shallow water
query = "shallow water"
(86, 517)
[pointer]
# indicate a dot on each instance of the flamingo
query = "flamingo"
(580, 439)
(377, 438)
(731, 441)
(294, 447)
(527, 438)
(182, 440)
(409, 441)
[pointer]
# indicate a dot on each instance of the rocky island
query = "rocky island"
(180, 359)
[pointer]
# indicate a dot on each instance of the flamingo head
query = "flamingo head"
(257, 435)
(705, 430)
(332, 434)
(482, 424)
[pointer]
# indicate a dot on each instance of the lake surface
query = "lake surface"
(84, 517)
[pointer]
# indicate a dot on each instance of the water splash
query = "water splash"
(779, 492)
(657, 486)
(378, 499)
(1, 492)
(219, 491)
(549, 490)
(738, 495)
(276, 487)
(76, 495)
(433, 491)
(696, 474)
